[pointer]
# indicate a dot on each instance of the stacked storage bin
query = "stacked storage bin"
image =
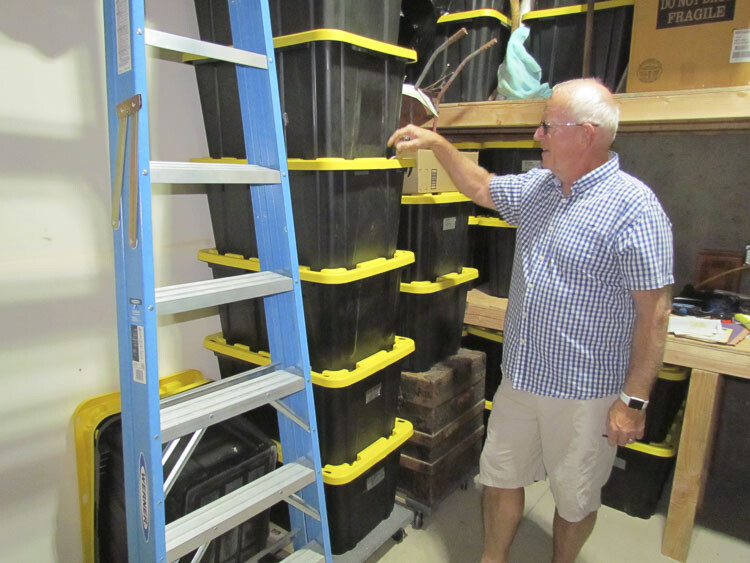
(340, 78)
(484, 20)
(229, 455)
(442, 385)
(556, 37)
(641, 469)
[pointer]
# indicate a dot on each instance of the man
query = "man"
(587, 314)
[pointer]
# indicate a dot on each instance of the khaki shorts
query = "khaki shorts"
(530, 437)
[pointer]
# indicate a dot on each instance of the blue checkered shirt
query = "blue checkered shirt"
(568, 327)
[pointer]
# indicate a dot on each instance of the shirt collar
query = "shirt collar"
(612, 166)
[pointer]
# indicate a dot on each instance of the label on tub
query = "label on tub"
(373, 393)
(449, 224)
(376, 478)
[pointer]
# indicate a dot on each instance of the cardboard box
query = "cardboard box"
(685, 44)
(427, 175)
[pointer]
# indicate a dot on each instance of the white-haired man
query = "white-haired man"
(587, 313)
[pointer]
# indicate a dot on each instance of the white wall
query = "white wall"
(57, 301)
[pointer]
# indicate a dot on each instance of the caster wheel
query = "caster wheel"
(418, 520)
(399, 536)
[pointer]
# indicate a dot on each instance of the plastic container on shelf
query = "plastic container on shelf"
(491, 343)
(377, 19)
(494, 245)
(340, 93)
(666, 398)
(353, 408)
(436, 228)
(349, 314)
(638, 477)
(432, 314)
(557, 35)
(229, 455)
(345, 211)
(362, 494)
(478, 78)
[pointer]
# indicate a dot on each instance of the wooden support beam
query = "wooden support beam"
(693, 461)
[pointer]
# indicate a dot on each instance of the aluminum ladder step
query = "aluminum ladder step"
(224, 399)
(305, 555)
(163, 172)
(202, 525)
(188, 46)
(207, 293)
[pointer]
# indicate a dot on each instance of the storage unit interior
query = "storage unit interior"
(57, 303)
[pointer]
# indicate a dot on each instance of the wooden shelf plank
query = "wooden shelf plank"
(709, 109)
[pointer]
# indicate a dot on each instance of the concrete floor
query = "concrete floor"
(453, 533)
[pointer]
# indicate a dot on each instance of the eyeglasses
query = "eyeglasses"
(546, 125)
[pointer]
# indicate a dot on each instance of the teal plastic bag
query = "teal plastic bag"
(519, 75)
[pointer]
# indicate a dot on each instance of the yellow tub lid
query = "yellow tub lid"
(473, 14)
(329, 276)
(468, 145)
(486, 333)
(577, 9)
(344, 37)
(87, 417)
(443, 282)
(484, 221)
(658, 450)
(217, 343)
(432, 199)
(673, 373)
(511, 145)
(487, 405)
(367, 458)
(326, 164)
(332, 379)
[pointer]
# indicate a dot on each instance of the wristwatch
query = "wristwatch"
(633, 402)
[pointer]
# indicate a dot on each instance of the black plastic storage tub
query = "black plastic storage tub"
(349, 314)
(436, 228)
(508, 157)
(229, 455)
(666, 398)
(345, 211)
(377, 19)
(638, 477)
(352, 408)
(340, 93)
(478, 78)
(556, 41)
(432, 314)
(494, 245)
(491, 343)
(361, 495)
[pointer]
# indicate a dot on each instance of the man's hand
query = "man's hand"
(624, 425)
(412, 137)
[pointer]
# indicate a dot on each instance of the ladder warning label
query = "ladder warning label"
(122, 23)
(137, 352)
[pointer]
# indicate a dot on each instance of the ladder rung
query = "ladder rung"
(211, 173)
(193, 530)
(226, 402)
(206, 49)
(207, 293)
(304, 555)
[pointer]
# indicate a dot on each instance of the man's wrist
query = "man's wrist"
(633, 402)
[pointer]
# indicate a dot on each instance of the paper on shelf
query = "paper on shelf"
(709, 330)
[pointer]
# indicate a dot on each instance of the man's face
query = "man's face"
(560, 142)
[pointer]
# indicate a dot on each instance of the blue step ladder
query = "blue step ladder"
(150, 426)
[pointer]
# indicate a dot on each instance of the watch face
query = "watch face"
(636, 404)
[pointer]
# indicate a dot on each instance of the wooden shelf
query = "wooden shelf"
(706, 110)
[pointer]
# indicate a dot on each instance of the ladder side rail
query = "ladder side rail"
(136, 324)
(274, 224)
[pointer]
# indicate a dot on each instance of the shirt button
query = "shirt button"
(522, 341)
(540, 258)
(530, 286)
(524, 314)
(551, 228)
